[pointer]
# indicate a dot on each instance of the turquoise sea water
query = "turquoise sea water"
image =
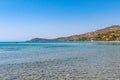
(11, 53)
(60, 61)
(90, 52)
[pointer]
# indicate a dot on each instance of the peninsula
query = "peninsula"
(111, 33)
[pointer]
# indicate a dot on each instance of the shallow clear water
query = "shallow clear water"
(30, 52)
(60, 61)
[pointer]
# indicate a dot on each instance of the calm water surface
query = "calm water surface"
(11, 53)
(60, 61)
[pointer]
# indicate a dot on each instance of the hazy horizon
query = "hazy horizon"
(22, 20)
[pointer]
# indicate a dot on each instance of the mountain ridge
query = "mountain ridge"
(111, 33)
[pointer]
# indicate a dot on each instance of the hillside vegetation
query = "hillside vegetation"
(111, 33)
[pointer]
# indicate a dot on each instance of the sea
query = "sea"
(97, 59)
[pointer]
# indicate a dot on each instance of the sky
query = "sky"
(21, 20)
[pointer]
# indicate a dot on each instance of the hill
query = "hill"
(41, 40)
(111, 33)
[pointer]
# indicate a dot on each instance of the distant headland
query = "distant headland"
(111, 33)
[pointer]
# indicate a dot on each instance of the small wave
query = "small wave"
(12, 49)
(57, 46)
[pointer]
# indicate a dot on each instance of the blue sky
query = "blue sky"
(25, 19)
